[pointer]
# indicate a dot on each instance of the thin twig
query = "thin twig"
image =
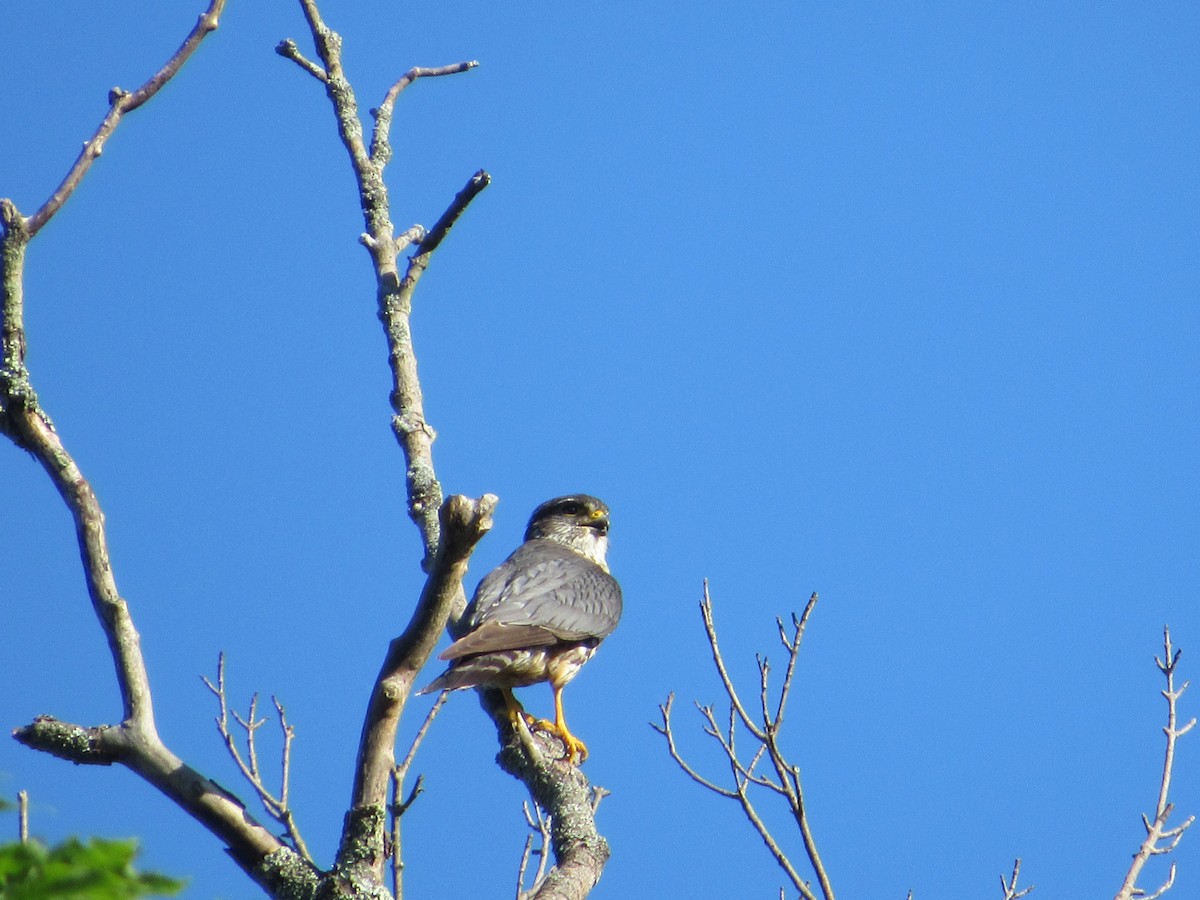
(404, 765)
(793, 648)
(665, 730)
(23, 816)
(277, 807)
(288, 50)
(1156, 829)
(539, 825)
(710, 630)
(1009, 887)
(121, 102)
(765, 731)
(397, 808)
(789, 777)
(772, 845)
(381, 149)
(520, 893)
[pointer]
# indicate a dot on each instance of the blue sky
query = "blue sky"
(894, 302)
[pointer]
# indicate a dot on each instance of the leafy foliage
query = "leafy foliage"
(98, 870)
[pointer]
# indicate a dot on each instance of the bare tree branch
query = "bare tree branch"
(710, 630)
(134, 742)
(765, 731)
(539, 830)
(563, 791)
(23, 816)
(277, 807)
(1009, 887)
(394, 298)
(520, 894)
(666, 731)
(580, 853)
(1161, 840)
(449, 532)
(463, 523)
(398, 808)
(288, 50)
(381, 148)
(121, 102)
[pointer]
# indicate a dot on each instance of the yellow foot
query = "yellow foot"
(574, 746)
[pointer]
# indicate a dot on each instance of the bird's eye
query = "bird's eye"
(571, 508)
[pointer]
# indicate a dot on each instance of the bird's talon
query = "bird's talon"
(574, 746)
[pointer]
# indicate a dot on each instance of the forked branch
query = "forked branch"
(400, 803)
(764, 728)
(537, 843)
(393, 293)
(1161, 840)
(276, 805)
(555, 786)
(134, 742)
(1009, 888)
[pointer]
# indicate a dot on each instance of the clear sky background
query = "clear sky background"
(895, 302)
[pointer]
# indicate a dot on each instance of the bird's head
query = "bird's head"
(580, 521)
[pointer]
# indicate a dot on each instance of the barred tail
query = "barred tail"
(484, 670)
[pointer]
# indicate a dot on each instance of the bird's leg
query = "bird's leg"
(574, 746)
(520, 719)
(512, 705)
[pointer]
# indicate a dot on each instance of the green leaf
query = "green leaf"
(98, 870)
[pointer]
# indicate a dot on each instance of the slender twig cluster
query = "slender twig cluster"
(400, 804)
(537, 843)
(1009, 887)
(276, 805)
(1161, 840)
(782, 778)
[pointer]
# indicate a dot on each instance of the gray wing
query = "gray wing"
(548, 586)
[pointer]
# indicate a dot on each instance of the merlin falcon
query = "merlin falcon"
(541, 614)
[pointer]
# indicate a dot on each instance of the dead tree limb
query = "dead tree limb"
(539, 831)
(1009, 888)
(121, 102)
(763, 726)
(563, 792)
(393, 294)
(276, 805)
(1161, 840)
(134, 742)
(449, 531)
(558, 788)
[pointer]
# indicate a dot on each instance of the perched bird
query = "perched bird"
(540, 614)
